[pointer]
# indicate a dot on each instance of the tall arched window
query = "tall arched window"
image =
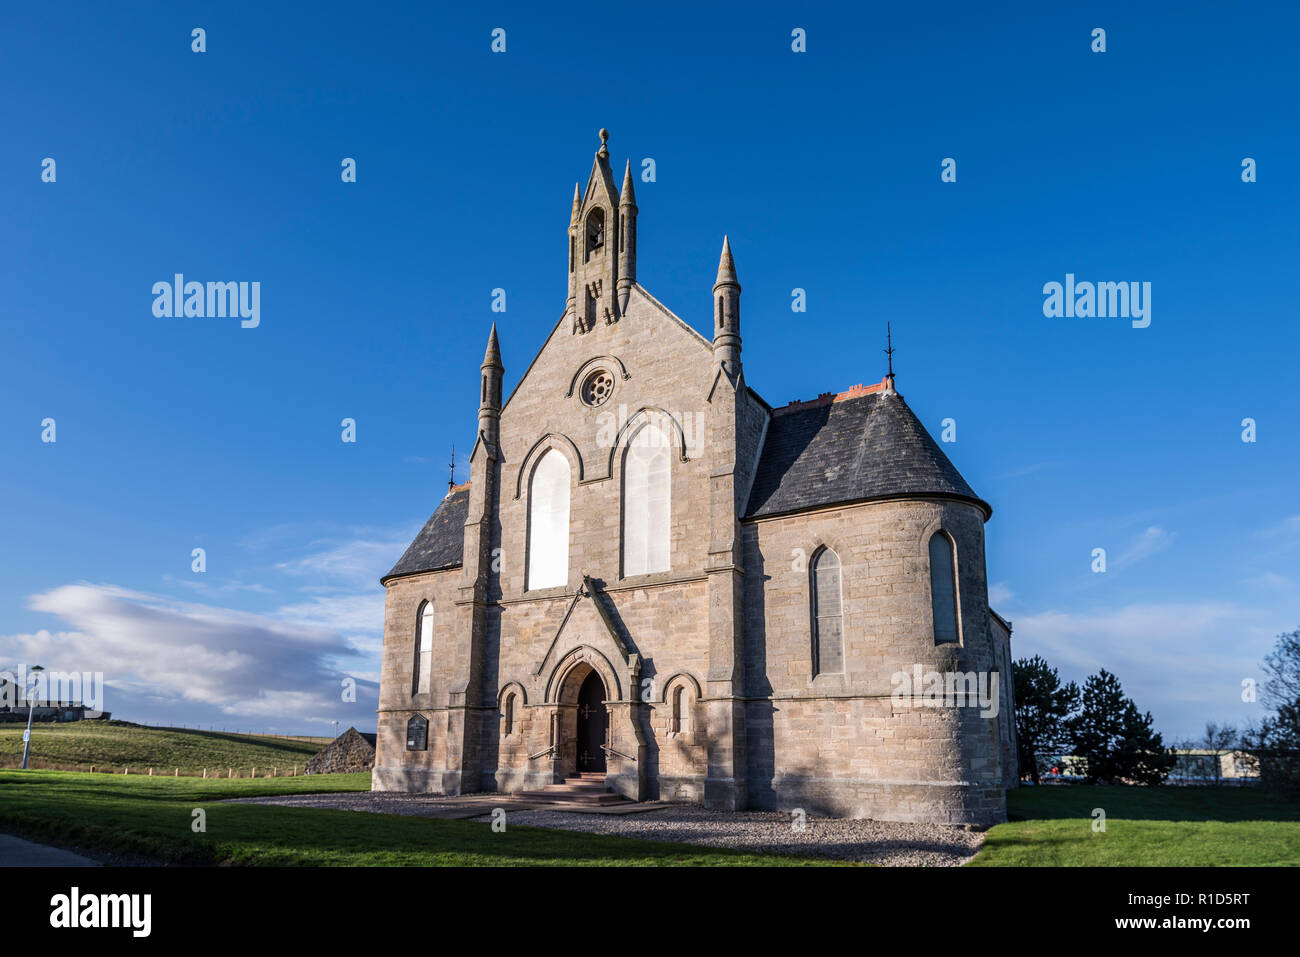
(508, 715)
(680, 720)
(827, 617)
(943, 587)
(548, 522)
(647, 503)
(424, 649)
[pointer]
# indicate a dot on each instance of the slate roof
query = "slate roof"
(441, 541)
(868, 445)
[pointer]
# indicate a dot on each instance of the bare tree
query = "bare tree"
(1282, 665)
(1220, 738)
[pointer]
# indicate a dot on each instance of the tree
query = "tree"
(1219, 738)
(1282, 665)
(1275, 744)
(1115, 741)
(1042, 707)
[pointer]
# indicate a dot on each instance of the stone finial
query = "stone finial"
(726, 266)
(603, 152)
(492, 357)
(627, 197)
(576, 211)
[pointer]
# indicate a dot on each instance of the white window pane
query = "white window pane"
(548, 522)
(647, 504)
(424, 657)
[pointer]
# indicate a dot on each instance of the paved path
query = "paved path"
(15, 852)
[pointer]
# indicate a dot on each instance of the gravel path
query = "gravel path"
(395, 802)
(869, 842)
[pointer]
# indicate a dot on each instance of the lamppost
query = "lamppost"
(31, 705)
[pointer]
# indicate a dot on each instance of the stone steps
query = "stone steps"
(586, 788)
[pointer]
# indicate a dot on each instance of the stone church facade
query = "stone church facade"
(654, 575)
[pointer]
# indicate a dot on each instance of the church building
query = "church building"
(656, 580)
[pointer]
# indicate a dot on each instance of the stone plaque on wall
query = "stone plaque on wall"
(417, 733)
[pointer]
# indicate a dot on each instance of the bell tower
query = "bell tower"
(602, 246)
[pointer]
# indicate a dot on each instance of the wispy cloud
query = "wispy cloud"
(357, 562)
(284, 666)
(1289, 527)
(1184, 661)
(1151, 542)
(1027, 470)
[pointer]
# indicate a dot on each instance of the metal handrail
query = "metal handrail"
(605, 747)
(539, 754)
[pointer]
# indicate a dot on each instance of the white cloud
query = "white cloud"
(1272, 580)
(1000, 593)
(1150, 542)
(283, 666)
(358, 562)
(1184, 661)
(1288, 528)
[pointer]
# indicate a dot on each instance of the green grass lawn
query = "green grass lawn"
(151, 817)
(1160, 826)
(113, 745)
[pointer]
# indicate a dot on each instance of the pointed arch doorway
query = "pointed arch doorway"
(593, 724)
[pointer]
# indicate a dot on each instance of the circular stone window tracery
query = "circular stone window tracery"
(597, 387)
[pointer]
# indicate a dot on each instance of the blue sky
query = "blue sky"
(823, 168)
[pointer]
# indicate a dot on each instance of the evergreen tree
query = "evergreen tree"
(1114, 740)
(1042, 707)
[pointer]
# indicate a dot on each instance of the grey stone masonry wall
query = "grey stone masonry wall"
(837, 742)
(707, 665)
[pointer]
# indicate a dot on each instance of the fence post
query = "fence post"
(205, 774)
(254, 774)
(230, 772)
(151, 772)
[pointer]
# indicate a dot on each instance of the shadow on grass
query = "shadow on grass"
(1230, 803)
(155, 819)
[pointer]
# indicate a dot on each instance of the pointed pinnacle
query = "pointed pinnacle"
(628, 197)
(726, 265)
(492, 357)
(577, 204)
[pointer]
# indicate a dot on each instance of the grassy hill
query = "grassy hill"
(114, 745)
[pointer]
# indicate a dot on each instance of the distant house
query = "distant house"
(14, 706)
(1198, 766)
